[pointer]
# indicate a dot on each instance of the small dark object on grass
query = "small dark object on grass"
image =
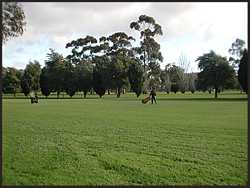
(33, 98)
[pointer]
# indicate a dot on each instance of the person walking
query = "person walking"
(152, 96)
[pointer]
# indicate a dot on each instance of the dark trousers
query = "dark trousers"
(153, 99)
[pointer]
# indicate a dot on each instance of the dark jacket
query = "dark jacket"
(152, 93)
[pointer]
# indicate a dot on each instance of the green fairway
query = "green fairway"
(185, 139)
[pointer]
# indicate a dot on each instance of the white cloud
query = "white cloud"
(191, 28)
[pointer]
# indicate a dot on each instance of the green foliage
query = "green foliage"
(120, 44)
(70, 79)
(98, 84)
(103, 46)
(119, 69)
(147, 26)
(101, 75)
(82, 49)
(31, 78)
(25, 86)
(154, 83)
(243, 71)
(215, 71)
(149, 50)
(110, 60)
(175, 87)
(172, 79)
(154, 70)
(45, 82)
(55, 65)
(135, 75)
(176, 76)
(201, 85)
(11, 80)
(13, 20)
(120, 55)
(84, 71)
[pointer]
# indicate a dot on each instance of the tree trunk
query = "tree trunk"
(215, 93)
(108, 91)
(118, 92)
(144, 63)
(85, 94)
(144, 59)
(58, 93)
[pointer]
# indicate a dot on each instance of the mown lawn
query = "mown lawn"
(183, 140)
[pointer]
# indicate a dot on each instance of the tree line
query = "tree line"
(112, 63)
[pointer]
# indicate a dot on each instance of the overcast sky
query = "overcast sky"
(190, 29)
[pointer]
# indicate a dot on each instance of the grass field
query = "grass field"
(185, 139)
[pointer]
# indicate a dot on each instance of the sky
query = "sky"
(189, 29)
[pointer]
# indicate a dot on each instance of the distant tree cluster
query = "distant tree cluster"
(174, 78)
(100, 73)
(215, 72)
(100, 65)
(112, 63)
(11, 78)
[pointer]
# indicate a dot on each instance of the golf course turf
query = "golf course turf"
(184, 139)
